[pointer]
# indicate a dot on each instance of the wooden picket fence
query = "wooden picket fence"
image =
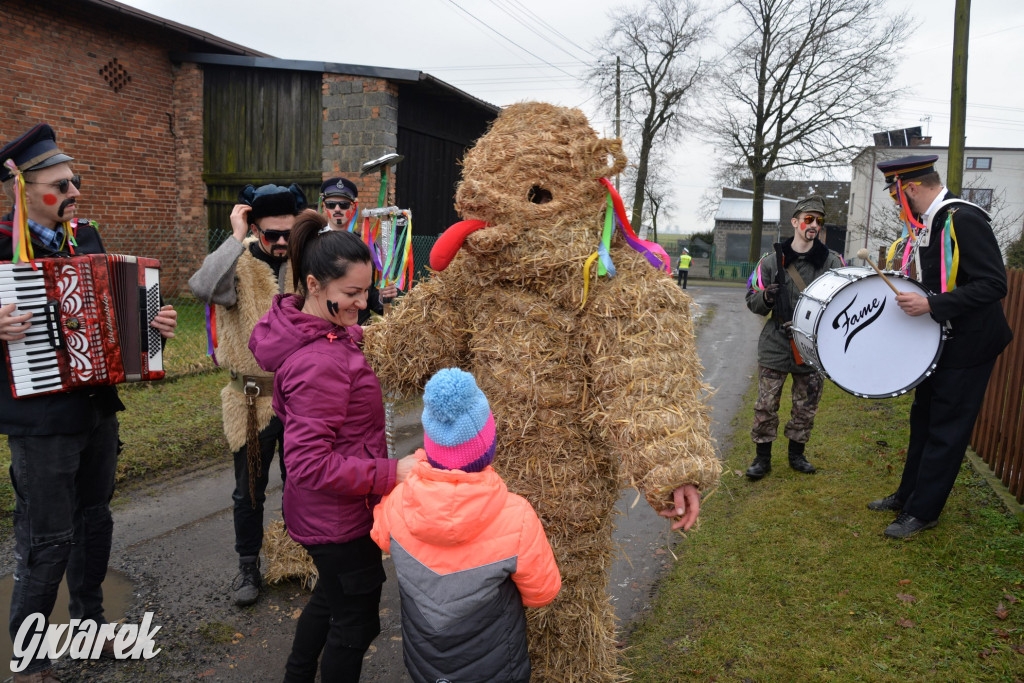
(999, 432)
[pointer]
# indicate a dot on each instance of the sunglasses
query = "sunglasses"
(808, 220)
(273, 236)
(344, 206)
(62, 185)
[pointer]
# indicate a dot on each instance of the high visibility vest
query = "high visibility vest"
(684, 261)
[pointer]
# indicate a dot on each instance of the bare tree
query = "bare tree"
(801, 86)
(661, 71)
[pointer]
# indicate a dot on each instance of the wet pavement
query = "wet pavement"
(174, 542)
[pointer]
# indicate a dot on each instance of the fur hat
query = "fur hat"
(272, 200)
(458, 426)
(812, 204)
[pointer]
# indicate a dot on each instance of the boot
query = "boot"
(762, 464)
(246, 586)
(797, 460)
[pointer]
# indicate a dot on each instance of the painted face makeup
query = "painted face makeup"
(49, 199)
(332, 308)
(341, 299)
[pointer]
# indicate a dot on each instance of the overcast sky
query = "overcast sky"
(505, 51)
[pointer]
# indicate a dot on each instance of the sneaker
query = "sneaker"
(45, 676)
(246, 586)
(906, 525)
(887, 503)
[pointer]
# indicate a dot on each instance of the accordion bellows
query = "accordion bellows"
(90, 320)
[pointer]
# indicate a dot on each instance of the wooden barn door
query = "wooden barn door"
(260, 126)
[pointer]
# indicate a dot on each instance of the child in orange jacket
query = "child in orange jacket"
(468, 553)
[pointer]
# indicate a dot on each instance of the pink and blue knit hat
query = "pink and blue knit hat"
(458, 426)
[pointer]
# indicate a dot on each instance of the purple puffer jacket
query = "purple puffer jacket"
(331, 405)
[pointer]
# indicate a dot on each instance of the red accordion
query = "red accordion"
(90, 322)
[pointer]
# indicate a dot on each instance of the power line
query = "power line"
(540, 20)
(529, 27)
(503, 36)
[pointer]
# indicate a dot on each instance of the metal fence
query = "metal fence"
(999, 432)
(187, 352)
(728, 270)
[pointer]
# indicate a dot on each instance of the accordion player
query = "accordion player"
(91, 320)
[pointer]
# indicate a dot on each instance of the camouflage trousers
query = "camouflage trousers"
(806, 394)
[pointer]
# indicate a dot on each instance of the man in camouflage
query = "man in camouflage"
(801, 259)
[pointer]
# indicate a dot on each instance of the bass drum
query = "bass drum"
(848, 326)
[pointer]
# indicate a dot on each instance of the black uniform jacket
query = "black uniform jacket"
(979, 330)
(66, 412)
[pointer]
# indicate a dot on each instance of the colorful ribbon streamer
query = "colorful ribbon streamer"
(21, 246)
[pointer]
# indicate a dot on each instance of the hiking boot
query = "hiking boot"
(888, 503)
(906, 525)
(44, 676)
(246, 586)
(800, 464)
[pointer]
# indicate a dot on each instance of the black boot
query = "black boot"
(245, 589)
(762, 464)
(797, 460)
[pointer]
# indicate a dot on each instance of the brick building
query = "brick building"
(129, 95)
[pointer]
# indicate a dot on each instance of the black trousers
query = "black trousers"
(342, 616)
(248, 517)
(942, 418)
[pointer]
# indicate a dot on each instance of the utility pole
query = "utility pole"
(958, 97)
(618, 109)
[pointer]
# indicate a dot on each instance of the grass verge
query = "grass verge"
(790, 578)
(168, 426)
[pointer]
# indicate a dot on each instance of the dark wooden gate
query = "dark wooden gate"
(260, 126)
(434, 131)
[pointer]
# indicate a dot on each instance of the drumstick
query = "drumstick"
(863, 253)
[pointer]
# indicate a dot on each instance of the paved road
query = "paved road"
(174, 542)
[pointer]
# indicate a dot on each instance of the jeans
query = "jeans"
(249, 517)
(342, 616)
(63, 484)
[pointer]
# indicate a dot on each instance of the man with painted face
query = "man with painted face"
(339, 202)
(773, 289)
(961, 265)
(64, 445)
(239, 280)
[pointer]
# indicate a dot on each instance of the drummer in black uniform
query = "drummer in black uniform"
(965, 293)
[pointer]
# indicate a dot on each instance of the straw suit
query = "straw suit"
(591, 396)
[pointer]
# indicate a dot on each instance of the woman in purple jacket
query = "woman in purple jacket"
(335, 454)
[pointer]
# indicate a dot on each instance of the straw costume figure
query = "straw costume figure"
(594, 380)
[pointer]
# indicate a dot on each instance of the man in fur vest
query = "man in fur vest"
(240, 279)
(773, 290)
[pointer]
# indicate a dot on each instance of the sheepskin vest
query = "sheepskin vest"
(255, 287)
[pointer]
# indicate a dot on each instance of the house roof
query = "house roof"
(202, 36)
(410, 76)
(742, 210)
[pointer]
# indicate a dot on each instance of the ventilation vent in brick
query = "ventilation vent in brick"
(115, 75)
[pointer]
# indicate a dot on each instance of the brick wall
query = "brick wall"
(360, 123)
(138, 150)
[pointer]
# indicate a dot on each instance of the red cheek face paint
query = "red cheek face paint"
(49, 199)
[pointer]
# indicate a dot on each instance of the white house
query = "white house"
(993, 179)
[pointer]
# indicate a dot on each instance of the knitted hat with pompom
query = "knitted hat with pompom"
(458, 426)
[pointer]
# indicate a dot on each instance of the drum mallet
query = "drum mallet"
(863, 253)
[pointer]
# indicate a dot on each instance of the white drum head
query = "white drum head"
(864, 342)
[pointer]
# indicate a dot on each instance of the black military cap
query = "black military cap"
(339, 186)
(907, 168)
(34, 150)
